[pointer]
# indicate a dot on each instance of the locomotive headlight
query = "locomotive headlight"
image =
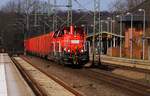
(64, 49)
(82, 50)
(68, 50)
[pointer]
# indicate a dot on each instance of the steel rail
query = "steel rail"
(56, 79)
(38, 91)
(138, 88)
(127, 67)
(129, 85)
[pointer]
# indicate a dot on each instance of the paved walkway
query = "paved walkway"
(3, 85)
(11, 82)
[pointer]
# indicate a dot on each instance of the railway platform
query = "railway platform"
(11, 82)
(124, 62)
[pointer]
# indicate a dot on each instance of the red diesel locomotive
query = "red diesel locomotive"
(66, 46)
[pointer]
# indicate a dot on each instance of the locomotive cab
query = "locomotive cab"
(75, 49)
(71, 47)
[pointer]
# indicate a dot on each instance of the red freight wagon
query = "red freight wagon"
(39, 45)
(66, 45)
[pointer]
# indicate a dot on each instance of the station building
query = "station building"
(140, 33)
(132, 37)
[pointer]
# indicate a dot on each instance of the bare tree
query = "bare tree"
(133, 3)
(118, 5)
(123, 5)
(13, 21)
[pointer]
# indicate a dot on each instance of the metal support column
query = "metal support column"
(49, 8)
(27, 22)
(54, 18)
(120, 35)
(69, 19)
(131, 38)
(144, 23)
(95, 27)
(35, 15)
(101, 39)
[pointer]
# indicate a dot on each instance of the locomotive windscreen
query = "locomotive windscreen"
(79, 30)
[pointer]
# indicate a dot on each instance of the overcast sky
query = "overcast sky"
(87, 4)
(2, 2)
(90, 4)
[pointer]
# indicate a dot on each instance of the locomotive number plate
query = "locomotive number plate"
(75, 41)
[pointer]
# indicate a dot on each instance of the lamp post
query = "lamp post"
(113, 39)
(99, 41)
(111, 25)
(101, 27)
(143, 40)
(107, 31)
(131, 36)
(120, 16)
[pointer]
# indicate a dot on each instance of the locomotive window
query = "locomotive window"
(79, 31)
(58, 33)
(66, 31)
(61, 33)
(55, 34)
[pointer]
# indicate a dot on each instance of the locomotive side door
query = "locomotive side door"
(87, 47)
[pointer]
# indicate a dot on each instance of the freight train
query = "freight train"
(66, 46)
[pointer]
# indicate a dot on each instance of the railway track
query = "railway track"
(36, 87)
(31, 82)
(130, 85)
(140, 89)
(134, 65)
(127, 67)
